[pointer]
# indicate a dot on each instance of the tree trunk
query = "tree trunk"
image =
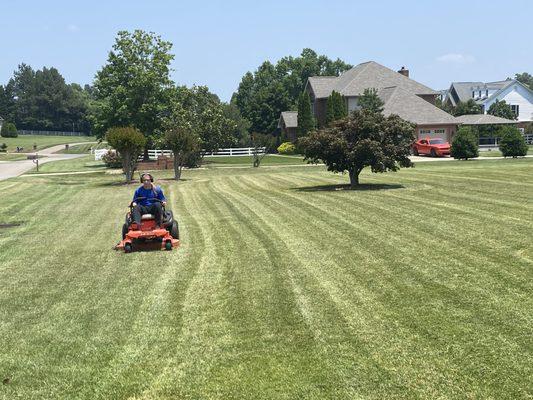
(257, 161)
(177, 167)
(126, 166)
(146, 157)
(354, 177)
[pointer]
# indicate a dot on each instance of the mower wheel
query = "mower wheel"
(124, 231)
(168, 245)
(128, 248)
(174, 230)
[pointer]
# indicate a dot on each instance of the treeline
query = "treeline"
(42, 100)
(271, 89)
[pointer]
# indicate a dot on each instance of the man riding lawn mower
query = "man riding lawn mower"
(148, 222)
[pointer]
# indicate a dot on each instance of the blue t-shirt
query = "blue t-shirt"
(148, 195)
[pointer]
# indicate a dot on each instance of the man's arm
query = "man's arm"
(161, 196)
(135, 195)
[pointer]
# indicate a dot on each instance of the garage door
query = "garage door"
(432, 133)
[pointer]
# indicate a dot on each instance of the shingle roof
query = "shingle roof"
(483, 119)
(412, 108)
(464, 89)
(321, 85)
(363, 76)
(289, 118)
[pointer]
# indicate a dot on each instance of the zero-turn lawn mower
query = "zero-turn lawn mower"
(149, 235)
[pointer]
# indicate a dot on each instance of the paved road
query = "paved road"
(11, 169)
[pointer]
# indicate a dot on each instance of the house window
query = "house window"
(440, 131)
(487, 92)
(424, 131)
(480, 93)
(473, 94)
(515, 109)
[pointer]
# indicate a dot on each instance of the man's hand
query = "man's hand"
(164, 203)
(133, 204)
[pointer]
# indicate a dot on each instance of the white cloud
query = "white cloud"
(456, 58)
(73, 28)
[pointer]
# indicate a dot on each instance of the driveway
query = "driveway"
(11, 169)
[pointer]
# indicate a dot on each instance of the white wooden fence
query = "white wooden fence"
(229, 152)
(98, 153)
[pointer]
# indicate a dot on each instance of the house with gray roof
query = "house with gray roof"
(516, 94)
(411, 100)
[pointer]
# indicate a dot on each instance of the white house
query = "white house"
(516, 94)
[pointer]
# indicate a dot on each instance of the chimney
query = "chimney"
(404, 72)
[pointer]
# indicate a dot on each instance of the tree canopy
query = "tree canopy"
(134, 87)
(336, 107)
(129, 142)
(364, 138)
(271, 89)
(201, 111)
(501, 109)
(42, 100)
(370, 100)
(466, 108)
(525, 78)
(306, 121)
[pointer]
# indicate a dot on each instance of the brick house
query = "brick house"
(403, 96)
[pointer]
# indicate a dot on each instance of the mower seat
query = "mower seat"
(146, 217)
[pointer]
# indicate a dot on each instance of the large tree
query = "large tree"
(202, 111)
(134, 87)
(271, 89)
(365, 138)
(501, 109)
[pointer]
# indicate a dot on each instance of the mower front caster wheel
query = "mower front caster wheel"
(128, 248)
(168, 245)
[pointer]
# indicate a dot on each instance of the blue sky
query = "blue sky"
(216, 42)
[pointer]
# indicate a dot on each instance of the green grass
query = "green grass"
(12, 157)
(497, 153)
(85, 163)
(27, 141)
(285, 287)
(83, 148)
(271, 159)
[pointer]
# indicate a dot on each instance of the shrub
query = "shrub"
(9, 130)
(3, 147)
(129, 142)
(512, 143)
(286, 148)
(464, 144)
(112, 159)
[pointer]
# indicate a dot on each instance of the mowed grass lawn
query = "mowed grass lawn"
(285, 287)
(42, 141)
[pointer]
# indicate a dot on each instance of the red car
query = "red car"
(431, 146)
